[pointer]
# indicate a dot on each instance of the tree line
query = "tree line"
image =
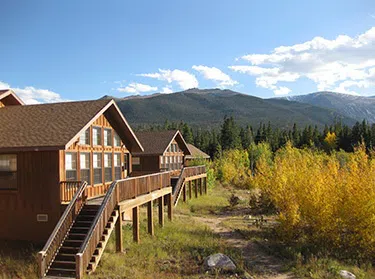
(232, 136)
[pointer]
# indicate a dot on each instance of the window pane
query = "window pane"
(107, 160)
(85, 137)
(96, 136)
(85, 167)
(8, 171)
(107, 137)
(117, 140)
(117, 160)
(97, 164)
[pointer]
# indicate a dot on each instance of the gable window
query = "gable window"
(70, 166)
(97, 165)
(108, 137)
(117, 165)
(85, 167)
(136, 161)
(116, 140)
(8, 171)
(97, 136)
(108, 167)
(85, 138)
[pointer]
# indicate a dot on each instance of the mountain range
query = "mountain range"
(206, 108)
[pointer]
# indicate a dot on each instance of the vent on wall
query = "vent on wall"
(42, 217)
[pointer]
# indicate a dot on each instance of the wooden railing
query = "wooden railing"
(186, 172)
(68, 189)
(118, 191)
(49, 251)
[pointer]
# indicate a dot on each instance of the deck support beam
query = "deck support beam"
(170, 206)
(150, 218)
(190, 190)
(200, 186)
(118, 231)
(205, 185)
(196, 188)
(184, 192)
(136, 224)
(161, 211)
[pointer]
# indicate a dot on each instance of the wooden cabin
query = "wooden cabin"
(45, 150)
(9, 98)
(195, 154)
(163, 150)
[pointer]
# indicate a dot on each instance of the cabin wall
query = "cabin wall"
(77, 148)
(1, 104)
(148, 164)
(37, 193)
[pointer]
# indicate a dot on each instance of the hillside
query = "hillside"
(356, 107)
(207, 108)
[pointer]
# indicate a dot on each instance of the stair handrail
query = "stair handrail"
(196, 170)
(108, 205)
(58, 235)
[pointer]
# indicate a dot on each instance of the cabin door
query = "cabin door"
(126, 165)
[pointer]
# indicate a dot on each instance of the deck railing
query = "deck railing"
(118, 191)
(68, 189)
(186, 172)
(49, 251)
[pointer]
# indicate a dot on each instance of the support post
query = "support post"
(190, 192)
(161, 211)
(196, 188)
(118, 229)
(170, 206)
(205, 185)
(150, 218)
(136, 224)
(200, 186)
(184, 192)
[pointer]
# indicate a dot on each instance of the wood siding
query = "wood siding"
(37, 193)
(1, 104)
(97, 189)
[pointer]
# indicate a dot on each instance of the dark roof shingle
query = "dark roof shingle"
(46, 125)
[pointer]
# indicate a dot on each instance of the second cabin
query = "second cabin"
(163, 151)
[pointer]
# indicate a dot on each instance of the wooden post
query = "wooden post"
(136, 224)
(150, 218)
(118, 229)
(200, 186)
(170, 207)
(161, 211)
(205, 185)
(79, 267)
(184, 193)
(196, 188)
(190, 190)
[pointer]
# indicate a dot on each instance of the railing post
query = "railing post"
(79, 266)
(119, 240)
(41, 264)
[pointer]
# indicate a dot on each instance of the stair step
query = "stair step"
(76, 236)
(73, 242)
(64, 264)
(65, 272)
(65, 257)
(69, 250)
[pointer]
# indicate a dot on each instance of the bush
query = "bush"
(327, 201)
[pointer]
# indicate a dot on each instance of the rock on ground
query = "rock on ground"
(346, 274)
(219, 262)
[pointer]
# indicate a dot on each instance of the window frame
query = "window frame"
(116, 138)
(97, 128)
(10, 173)
(96, 168)
(74, 156)
(87, 137)
(86, 168)
(108, 137)
(108, 166)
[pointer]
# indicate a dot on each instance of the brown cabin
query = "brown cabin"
(163, 151)
(9, 98)
(195, 153)
(49, 147)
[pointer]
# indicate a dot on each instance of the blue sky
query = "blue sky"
(74, 50)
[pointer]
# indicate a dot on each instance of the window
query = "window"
(108, 167)
(107, 137)
(117, 165)
(136, 161)
(116, 140)
(85, 167)
(97, 165)
(96, 136)
(85, 138)
(71, 166)
(8, 171)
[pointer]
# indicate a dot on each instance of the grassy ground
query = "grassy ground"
(178, 250)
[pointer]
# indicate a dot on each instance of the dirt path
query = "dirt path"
(261, 264)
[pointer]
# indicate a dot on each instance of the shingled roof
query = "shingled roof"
(55, 126)
(196, 153)
(157, 142)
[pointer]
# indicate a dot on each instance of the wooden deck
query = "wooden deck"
(80, 237)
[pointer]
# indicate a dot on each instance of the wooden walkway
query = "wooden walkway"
(78, 241)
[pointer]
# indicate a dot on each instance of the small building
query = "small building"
(163, 150)
(195, 154)
(9, 98)
(46, 149)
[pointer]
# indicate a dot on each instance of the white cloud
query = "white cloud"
(167, 90)
(216, 75)
(338, 64)
(137, 88)
(31, 95)
(184, 79)
(371, 15)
